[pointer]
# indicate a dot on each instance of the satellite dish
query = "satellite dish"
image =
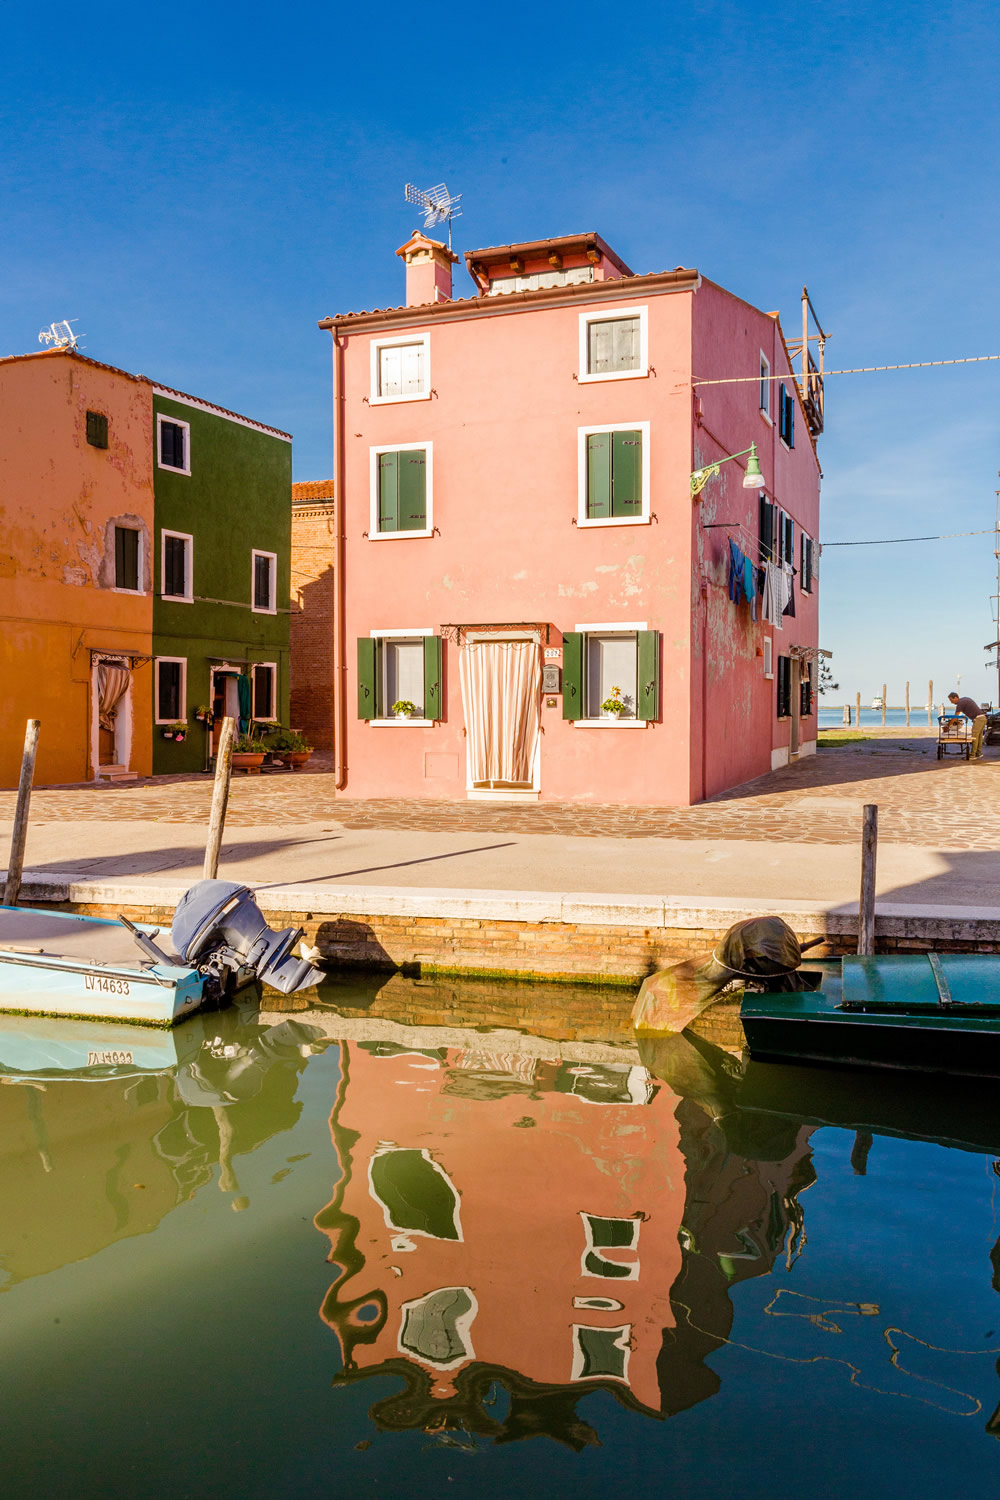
(60, 335)
(438, 205)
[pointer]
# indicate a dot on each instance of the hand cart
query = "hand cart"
(954, 736)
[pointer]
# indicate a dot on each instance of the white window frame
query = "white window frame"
(400, 635)
(606, 627)
(161, 417)
(613, 314)
(582, 519)
(135, 593)
(768, 657)
(188, 596)
(377, 345)
(156, 689)
(374, 535)
(272, 608)
(765, 386)
(271, 718)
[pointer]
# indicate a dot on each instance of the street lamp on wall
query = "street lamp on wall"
(753, 479)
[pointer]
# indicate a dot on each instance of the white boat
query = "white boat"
(54, 963)
(876, 703)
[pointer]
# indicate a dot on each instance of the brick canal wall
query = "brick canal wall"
(610, 941)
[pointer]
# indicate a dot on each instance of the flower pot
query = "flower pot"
(609, 713)
(249, 761)
(167, 734)
(402, 716)
(179, 737)
(295, 759)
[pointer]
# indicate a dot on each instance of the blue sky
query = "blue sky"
(198, 185)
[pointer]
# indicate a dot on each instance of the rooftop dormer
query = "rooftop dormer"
(571, 258)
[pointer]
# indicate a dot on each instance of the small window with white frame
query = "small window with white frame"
(765, 386)
(264, 683)
(768, 656)
(170, 689)
(264, 583)
(173, 444)
(613, 475)
(614, 344)
(401, 369)
(128, 560)
(177, 566)
(399, 676)
(611, 674)
(402, 491)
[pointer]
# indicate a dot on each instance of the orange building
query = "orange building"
(76, 601)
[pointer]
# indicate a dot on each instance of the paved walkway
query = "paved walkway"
(790, 835)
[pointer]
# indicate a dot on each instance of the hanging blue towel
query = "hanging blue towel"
(736, 561)
(749, 585)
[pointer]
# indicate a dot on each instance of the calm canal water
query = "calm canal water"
(376, 1251)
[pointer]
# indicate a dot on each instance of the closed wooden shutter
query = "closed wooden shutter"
(390, 362)
(168, 690)
(388, 492)
(766, 530)
(626, 473)
(784, 684)
(598, 475)
(172, 445)
(126, 558)
(367, 678)
(433, 696)
(262, 582)
(625, 344)
(601, 343)
(648, 686)
(806, 576)
(174, 567)
(411, 373)
(412, 490)
(573, 705)
(805, 690)
(97, 429)
(789, 552)
(790, 439)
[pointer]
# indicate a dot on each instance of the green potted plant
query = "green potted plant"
(204, 715)
(248, 754)
(291, 747)
(614, 706)
(404, 709)
(175, 731)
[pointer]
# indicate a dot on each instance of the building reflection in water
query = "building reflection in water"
(541, 1226)
(104, 1129)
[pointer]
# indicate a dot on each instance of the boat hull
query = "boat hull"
(813, 1026)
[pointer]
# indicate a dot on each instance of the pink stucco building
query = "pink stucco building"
(518, 555)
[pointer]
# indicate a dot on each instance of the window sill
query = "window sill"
(401, 723)
(614, 375)
(172, 469)
(177, 598)
(511, 794)
(612, 521)
(398, 536)
(255, 609)
(135, 593)
(397, 400)
(609, 723)
(767, 417)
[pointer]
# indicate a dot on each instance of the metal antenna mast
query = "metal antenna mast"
(438, 205)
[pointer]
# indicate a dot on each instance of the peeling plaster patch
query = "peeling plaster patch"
(518, 576)
(448, 583)
(604, 568)
(77, 576)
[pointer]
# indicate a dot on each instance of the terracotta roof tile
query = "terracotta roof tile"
(312, 489)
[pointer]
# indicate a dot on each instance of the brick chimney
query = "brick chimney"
(428, 269)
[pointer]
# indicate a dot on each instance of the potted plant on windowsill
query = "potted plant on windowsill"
(248, 754)
(291, 747)
(204, 715)
(176, 731)
(615, 706)
(404, 709)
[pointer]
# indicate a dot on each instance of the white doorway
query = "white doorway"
(501, 678)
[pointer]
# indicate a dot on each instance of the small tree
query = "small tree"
(826, 682)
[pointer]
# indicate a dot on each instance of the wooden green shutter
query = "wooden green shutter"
(433, 697)
(367, 678)
(573, 705)
(388, 492)
(598, 475)
(648, 685)
(412, 469)
(626, 473)
(789, 555)
(790, 439)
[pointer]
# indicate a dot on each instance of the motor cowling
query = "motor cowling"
(219, 919)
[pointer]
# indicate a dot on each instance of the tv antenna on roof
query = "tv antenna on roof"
(60, 335)
(439, 206)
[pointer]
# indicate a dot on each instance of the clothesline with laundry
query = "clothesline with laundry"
(772, 581)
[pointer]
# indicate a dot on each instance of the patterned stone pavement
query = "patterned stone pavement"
(947, 805)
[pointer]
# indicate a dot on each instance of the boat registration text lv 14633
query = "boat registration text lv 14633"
(107, 986)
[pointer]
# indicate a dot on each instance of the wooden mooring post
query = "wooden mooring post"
(866, 906)
(930, 703)
(846, 719)
(220, 798)
(15, 864)
(857, 709)
(884, 691)
(907, 705)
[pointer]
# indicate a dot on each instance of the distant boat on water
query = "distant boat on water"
(876, 703)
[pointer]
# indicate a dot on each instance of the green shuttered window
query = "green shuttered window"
(614, 474)
(126, 558)
(784, 695)
(597, 662)
(402, 490)
(394, 668)
(97, 429)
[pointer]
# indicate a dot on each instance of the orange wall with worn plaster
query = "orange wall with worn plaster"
(59, 501)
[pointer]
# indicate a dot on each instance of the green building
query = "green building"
(222, 487)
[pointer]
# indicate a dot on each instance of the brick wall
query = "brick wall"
(312, 611)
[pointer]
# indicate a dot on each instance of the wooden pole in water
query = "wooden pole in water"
(884, 691)
(857, 709)
(907, 705)
(220, 798)
(930, 702)
(866, 906)
(19, 836)
(846, 717)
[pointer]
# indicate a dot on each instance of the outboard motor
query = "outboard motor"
(218, 923)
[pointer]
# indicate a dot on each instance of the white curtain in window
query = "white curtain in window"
(501, 697)
(112, 685)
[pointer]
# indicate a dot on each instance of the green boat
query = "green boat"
(937, 1013)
